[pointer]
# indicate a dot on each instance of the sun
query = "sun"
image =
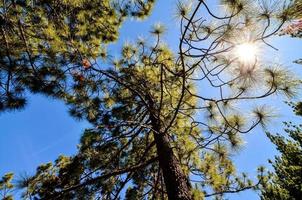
(246, 52)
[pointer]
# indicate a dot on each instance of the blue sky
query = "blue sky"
(44, 130)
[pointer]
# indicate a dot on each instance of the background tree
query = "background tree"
(164, 124)
(286, 180)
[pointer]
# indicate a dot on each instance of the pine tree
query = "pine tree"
(164, 122)
(41, 39)
(286, 179)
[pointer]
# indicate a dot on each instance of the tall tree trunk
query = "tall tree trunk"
(176, 182)
(177, 185)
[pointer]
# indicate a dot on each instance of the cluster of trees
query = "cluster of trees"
(164, 124)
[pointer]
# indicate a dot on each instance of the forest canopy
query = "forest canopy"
(165, 121)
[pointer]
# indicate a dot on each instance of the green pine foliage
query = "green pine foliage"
(294, 27)
(157, 132)
(123, 140)
(6, 187)
(41, 39)
(295, 9)
(286, 180)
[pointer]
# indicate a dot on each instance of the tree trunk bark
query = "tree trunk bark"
(176, 182)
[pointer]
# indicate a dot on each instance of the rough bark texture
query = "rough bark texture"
(176, 182)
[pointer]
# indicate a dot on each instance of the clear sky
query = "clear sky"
(44, 130)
